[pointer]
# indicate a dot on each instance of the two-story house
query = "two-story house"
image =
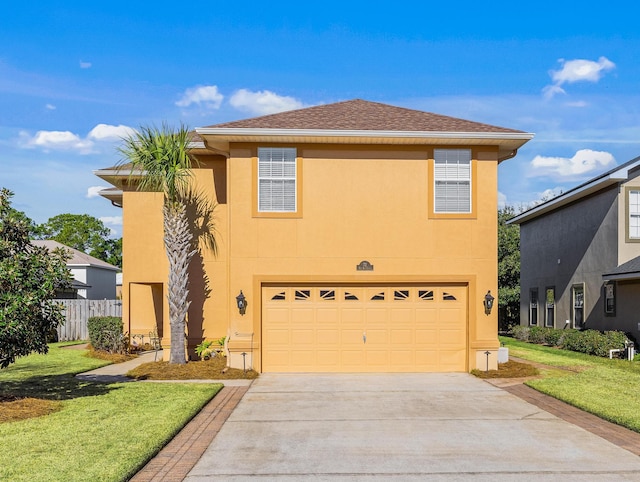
(580, 255)
(363, 237)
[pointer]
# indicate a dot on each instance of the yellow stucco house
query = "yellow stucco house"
(363, 237)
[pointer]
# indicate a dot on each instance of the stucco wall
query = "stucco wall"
(357, 203)
(364, 203)
(574, 244)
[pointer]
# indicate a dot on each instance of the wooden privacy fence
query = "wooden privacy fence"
(77, 312)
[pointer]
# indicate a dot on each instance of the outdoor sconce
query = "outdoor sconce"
(241, 302)
(488, 303)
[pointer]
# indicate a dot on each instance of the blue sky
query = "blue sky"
(75, 76)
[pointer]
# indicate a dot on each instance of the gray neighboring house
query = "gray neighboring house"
(94, 279)
(580, 256)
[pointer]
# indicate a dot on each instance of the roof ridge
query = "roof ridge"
(361, 115)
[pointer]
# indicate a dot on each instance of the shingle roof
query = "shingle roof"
(628, 270)
(362, 115)
(77, 257)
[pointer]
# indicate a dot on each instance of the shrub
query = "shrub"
(520, 332)
(553, 337)
(105, 333)
(593, 342)
(537, 335)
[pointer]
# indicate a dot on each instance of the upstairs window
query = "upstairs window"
(452, 180)
(634, 214)
(277, 179)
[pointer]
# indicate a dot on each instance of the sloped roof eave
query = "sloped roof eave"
(615, 176)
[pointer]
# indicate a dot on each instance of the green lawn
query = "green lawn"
(604, 387)
(103, 432)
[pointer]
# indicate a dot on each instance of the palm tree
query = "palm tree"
(160, 161)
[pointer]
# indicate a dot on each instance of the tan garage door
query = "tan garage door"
(364, 328)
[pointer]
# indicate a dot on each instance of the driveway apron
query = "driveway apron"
(404, 427)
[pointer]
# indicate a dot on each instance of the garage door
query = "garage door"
(364, 328)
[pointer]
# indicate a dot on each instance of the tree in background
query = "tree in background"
(84, 233)
(508, 270)
(29, 278)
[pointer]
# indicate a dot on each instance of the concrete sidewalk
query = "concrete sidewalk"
(116, 371)
(432, 427)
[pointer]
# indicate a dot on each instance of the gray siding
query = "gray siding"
(574, 244)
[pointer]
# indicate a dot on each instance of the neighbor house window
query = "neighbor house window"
(610, 299)
(452, 180)
(533, 306)
(633, 208)
(550, 305)
(277, 179)
(577, 311)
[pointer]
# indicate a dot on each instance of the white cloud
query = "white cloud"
(585, 162)
(85, 65)
(111, 220)
(502, 200)
(577, 70)
(548, 194)
(68, 141)
(206, 95)
(57, 140)
(94, 191)
(50, 107)
(263, 102)
(103, 132)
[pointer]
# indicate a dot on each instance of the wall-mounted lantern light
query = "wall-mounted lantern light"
(488, 303)
(241, 302)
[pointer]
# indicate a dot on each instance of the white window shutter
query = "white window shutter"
(452, 180)
(277, 179)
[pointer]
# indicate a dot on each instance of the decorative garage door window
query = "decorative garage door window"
(333, 294)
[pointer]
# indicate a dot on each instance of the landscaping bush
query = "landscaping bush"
(553, 337)
(593, 342)
(537, 335)
(105, 333)
(520, 332)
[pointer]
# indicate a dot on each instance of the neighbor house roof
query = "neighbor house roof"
(614, 176)
(629, 270)
(78, 258)
(363, 122)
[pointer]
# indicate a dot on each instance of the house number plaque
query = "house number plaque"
(364, 266)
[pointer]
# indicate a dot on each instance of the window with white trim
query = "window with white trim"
(452, 180)
(533, 306)
(634, 214)
(577, 311)
(277, 179)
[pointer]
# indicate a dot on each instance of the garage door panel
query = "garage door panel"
(352, 315)
(400, 337)
(276, 337)
(426, 315)
(408, 328)
(328, 337)
(303, 337)
(377, 315)
(402, 315)
(278, 315)
(327, 315)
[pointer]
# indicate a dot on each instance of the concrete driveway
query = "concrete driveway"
(404, 427)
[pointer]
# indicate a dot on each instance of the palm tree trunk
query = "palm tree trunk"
(178, 245)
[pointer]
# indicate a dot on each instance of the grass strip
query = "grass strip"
(607, 388)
